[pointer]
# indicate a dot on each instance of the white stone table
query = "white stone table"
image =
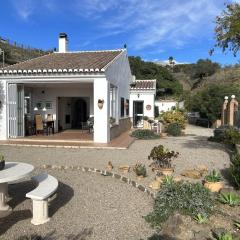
(13, 171)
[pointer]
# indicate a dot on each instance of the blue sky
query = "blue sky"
(152, 29)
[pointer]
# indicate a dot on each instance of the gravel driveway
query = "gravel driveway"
(106, 207)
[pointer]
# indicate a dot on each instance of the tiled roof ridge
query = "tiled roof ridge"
(92, 51)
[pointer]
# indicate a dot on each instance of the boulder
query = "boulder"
(192, 173)
(155, 185)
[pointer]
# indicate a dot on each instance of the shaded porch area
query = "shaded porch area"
(71, 139)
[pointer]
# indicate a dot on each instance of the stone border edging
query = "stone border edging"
(62, 146)
(104, 173)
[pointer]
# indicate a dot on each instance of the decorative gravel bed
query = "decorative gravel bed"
(89, 206)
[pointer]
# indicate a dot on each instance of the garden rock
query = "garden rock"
(177, 226)
(194, 174)
(155, 185)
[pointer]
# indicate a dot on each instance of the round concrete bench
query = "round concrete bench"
(47, 186)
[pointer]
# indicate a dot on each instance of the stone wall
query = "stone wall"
(123, 126)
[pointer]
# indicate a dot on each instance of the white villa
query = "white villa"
(69, 87)
(142, 101)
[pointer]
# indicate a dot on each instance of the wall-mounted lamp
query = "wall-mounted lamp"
(138, 95)
(44, 109)
(35, 109)
(100, 103)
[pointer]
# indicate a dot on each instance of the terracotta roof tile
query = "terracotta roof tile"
(91, 60)
(144, 84)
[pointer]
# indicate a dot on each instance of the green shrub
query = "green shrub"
(174, 117)
(232, 136)
(140, 170)
(183, 197)
(144, 134)
(226, 134)
(162, 157)
(226, 236)
(235, 169)
(174, 129)
(231, 199)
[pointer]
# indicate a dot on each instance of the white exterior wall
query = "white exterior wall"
(147, 97)
(164, 106)
(101, 116)
(51, 94)
(119, 74)
(3, 110)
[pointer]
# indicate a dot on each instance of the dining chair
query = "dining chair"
(40, 128)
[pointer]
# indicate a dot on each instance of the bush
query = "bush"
(183, 197)
(144, 134)
(174, 129)
(174, 117)
(213, 177)
(162, 157)
(140, 170)
(232, 136)
(226, 134)
(235, 169)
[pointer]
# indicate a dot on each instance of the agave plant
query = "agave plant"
(214, 176)
(199, 218)
(231, 199)
(167, 180)
(226, 236)
(237, 224)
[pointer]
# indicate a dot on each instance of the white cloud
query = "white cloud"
(154, 22)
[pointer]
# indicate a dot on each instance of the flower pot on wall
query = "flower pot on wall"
(100, 103)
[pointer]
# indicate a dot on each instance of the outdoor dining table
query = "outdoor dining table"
(13, 171)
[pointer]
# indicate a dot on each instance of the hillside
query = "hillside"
(15, 53)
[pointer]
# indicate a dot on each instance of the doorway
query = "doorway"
(138, 113)
(72, 112)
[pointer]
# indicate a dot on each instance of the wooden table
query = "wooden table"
(13, 171)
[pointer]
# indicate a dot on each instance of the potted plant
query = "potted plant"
(2, 162)
(140, 170)
(162, 160)
(213, 181)
(100, 103)
(112, 121)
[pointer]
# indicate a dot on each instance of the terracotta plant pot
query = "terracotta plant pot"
(213, 186)
(167, 171)
(2, 165)
(163, 135)
(124, 169)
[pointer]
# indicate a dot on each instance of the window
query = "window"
(127, 107)
(122, 107)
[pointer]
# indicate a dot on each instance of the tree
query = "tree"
(166, 83)
(208, 102)
(227, 31)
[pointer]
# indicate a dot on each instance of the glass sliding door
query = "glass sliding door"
(15, 110)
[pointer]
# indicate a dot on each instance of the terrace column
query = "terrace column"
(224, 111)
(101, 113)
(232, 110)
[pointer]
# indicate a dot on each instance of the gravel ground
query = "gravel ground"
(194, 150)
(88, 206)
(110, 209)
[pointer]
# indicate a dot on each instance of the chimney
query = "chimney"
(63, 43)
